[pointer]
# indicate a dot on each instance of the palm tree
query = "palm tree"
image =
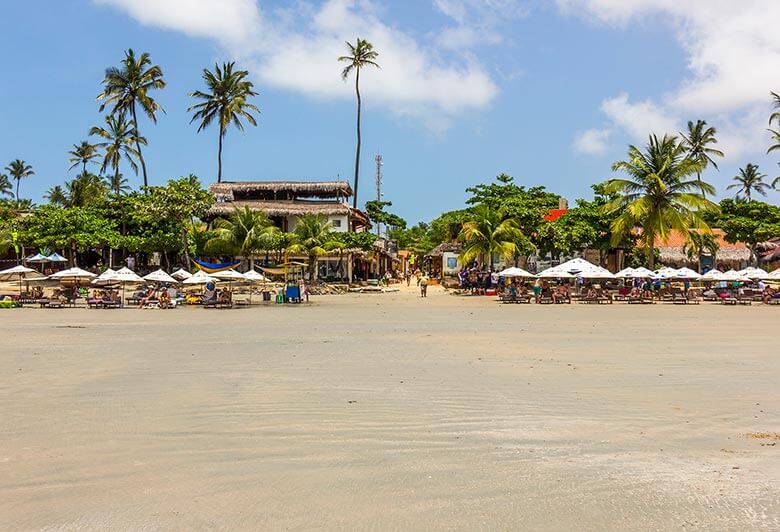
(227, 101)
(360, 54)
(314, 236)
(489, 233)
(117, 184)
(121, 137)
(56, 196)
(82, 154)
(128, 86)
(748, 181)
(245, 233)
(19, 170)
(6, 188)
(659, 195)
(85, 189)
(695, 143)
(700, 243)
(775, 132)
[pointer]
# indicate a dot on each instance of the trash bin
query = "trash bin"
(266, 296)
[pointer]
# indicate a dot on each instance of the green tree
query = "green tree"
(314, 238)
(775, 116)
(750, 222)
(83, 154)
(19, 169)
(6, 188)
(658, 195)
(85, 189)
(118, 184)
(748, 181)
(700, 243)
(127, 87)
(226, 101)
(377, 214)
(696, 144)
(361, 54)
(56, 196)
(487, 234)
(120, 139)
(246, 233)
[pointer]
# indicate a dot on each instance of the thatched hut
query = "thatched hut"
(673, 252)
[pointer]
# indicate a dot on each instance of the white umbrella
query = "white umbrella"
(181, 274)
(754, 273)
(555, 273)
(666, 273)
(160, 276)
(626, 273)
(252, 275)
(104, 278)
(22, 272)
(125, 275)
(733, 275)
(199, 278)
(775, 275)
(600, 273)
(514, 272)
(228, 275)
(644, 273)
(72, 274)
(687, 273)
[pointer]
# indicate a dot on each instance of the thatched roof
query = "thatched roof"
(446, 247)
(282, 207)
(726, 254)
(227, 191)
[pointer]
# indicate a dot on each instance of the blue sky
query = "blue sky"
(550, 92)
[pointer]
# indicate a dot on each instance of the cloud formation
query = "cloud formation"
(592, 141)
(296, 49)
(732, 52)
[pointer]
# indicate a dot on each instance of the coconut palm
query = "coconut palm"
(128, 87)
(360, 54)
(749, 181)
(120, 140)
(659, 195)
(246, 233)
(695, 143)
(86, 188)
(117, 184)
(56, 196)
(227, 101)
(488, 234)
(314, 236)
(19, 169)
(701, 243)
(83, 154)
(6, 188)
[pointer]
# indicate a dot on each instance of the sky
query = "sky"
(550, 92)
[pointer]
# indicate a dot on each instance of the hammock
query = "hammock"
(209, 267)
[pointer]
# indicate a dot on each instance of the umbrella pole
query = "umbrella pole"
(20, 286)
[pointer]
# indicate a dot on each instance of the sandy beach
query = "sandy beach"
(389, 412)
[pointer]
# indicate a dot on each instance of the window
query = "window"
(335, 223)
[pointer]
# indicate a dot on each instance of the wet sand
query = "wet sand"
(390, 412)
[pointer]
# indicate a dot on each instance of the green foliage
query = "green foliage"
(83, 154)
(363, 241)
(417, 238)
(82, 228)
(18, 170)
(314, 237)
(246, 233)
(6, 188)
(487, 233)
(747, 221)
(748, 182)
(377, 214)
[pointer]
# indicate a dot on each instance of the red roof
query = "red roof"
(554, 214)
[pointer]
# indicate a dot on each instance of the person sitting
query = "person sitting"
(591, 294)
(164, 300)
(209, 296)
(147, 299)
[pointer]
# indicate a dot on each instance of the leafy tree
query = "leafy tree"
(19, 170)
(750, 222)
(377, 214)
(83, 154)
(658, 195)
(695, 143)
(6, 188)
(314, 238)
(417, 239)
(448, 225)
(361, 54)
(118, 184)
(489, 233)
(227, 101)
(56, 196)
(748, 181)
(119, 137)
(128, 86)
(246, 233)
(700, 243)
(85, 189)
(280, 242)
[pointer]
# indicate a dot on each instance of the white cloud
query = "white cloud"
(733, 50)
(592, 141)
(639, 119)
(297, 50)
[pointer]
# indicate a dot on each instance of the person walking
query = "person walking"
(424, 285)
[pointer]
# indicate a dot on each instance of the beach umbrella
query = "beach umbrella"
(38, 258)
(200, 277)
(20, 272)
(555, 273)
(754, 273)
(666, 273)
(72, 274)
(228, 275)
(644, 273)
(626, 273)
(255, 276)
(775, 275)
(181, 274)
(514, 272)
(124, 275)
(687, 273)
(104, 278)
(56, 257)
(160, 276)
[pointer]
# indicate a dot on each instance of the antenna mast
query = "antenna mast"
(379, 163)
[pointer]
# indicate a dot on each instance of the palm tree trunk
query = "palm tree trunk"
(357, 150)
(185, 243)
(219, 156)
(17, 189)
(138, 146)
(651, 253)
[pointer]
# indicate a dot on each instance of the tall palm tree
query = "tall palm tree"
(128, 86)
(6, 188)
(360, 54)
(120, 138)
(56, 196)
(314, 236)
(83, 154)
(227, 101)
(117, 184)
(489, 233)
(246, 233)
(748, 181)
(775, 116)
(659, 194)
(86, 188)
(700, 243)
(695, 143)
(19, 169)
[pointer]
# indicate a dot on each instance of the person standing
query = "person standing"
(424, 285)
